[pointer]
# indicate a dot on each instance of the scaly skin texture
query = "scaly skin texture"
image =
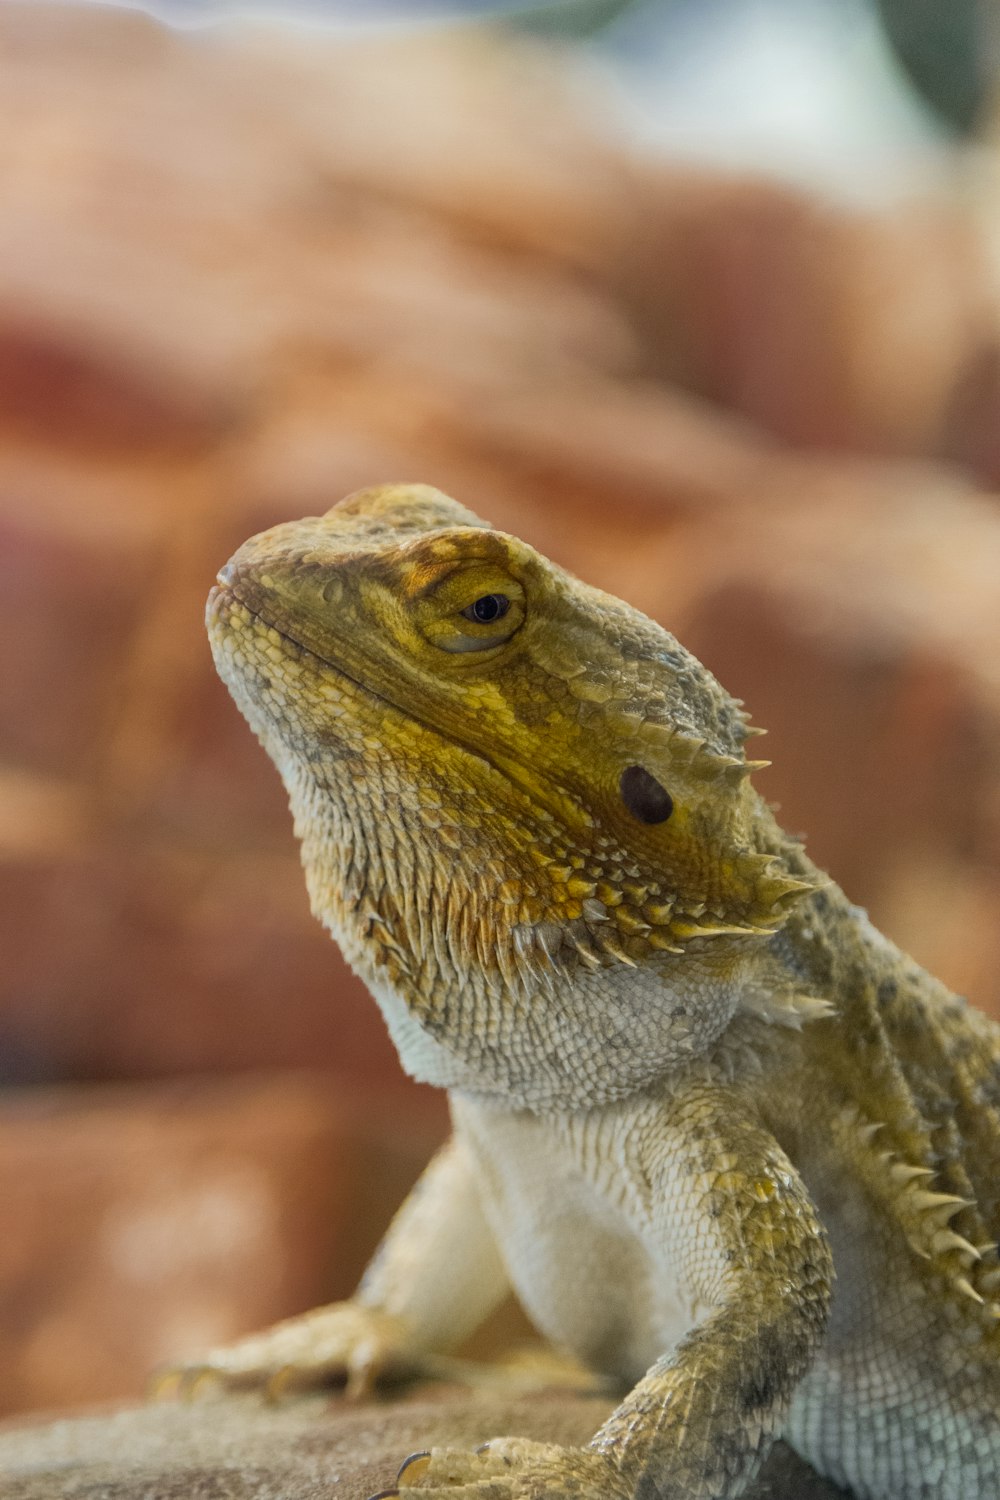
(728, 1145)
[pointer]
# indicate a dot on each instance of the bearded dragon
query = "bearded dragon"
(727, 1144)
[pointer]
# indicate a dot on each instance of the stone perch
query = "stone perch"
(308, 1448)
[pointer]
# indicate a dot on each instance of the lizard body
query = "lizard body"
(727, 1143)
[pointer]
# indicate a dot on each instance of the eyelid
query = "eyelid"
(460, 591)
(439, 611)
(446, 631)
(461, 643)
(484, 575)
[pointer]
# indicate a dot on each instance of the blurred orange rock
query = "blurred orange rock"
(143, 1225)
(829, 327)
(135, 962)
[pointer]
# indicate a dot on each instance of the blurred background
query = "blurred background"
(701, 297)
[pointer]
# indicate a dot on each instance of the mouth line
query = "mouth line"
(220, 589)
(292, 640)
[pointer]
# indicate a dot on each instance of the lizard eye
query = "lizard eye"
(643, 795)
(488, 608)
(472, 610)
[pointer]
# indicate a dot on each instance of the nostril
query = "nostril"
(226, 576)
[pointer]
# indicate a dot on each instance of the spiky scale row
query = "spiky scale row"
(610, 909)
(925, 1215)
(790, 1009)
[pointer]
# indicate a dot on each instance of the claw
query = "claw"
(415, 1467)
(164, 1384)
(362, 1371)
(195, 1381)
(385, 1495)
(360, 1382)
(277, 1384)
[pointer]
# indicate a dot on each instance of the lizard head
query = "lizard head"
(524, 808)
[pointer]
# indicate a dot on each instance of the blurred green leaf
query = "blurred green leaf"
(942, 46)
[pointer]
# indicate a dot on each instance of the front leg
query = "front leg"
(713, 1196)
(435, 1277)
(753, 1252)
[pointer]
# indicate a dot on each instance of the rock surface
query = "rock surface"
(308, 1449)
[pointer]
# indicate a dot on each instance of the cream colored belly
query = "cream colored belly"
(580, 1270)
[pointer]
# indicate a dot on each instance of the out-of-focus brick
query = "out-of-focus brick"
(41, 815)
(214, 788)
(971, 419)
(829, 327)
(508, 146)
(142, 1225)
(280, 197)
(657, 451)
(166, 963)
(56, 386)
(69, 604)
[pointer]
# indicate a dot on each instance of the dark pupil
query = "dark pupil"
(489, 608)
(644, 797)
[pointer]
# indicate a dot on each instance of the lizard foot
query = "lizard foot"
(508, 1469)
(343, 1341)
